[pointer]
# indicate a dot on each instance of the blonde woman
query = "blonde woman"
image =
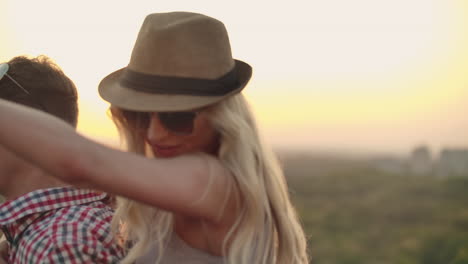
(202, 187)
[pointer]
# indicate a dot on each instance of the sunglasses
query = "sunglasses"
(4, 67)
(179, 123)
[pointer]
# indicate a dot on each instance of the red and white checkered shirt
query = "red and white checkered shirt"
(59, 225)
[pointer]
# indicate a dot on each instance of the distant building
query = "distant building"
(420, 162)
(453, 162)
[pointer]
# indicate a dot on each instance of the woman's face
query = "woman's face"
(166, 143)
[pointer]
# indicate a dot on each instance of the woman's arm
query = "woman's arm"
(194, 185)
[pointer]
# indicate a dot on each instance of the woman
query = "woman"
(213, 193)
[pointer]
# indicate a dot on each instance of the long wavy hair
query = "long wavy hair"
(267, 229)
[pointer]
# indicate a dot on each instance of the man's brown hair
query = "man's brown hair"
(49, 89)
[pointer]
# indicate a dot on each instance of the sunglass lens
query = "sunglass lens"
(178, 122)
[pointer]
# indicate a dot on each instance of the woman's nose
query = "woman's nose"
(156, 131)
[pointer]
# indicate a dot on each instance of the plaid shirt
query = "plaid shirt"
(59, 225)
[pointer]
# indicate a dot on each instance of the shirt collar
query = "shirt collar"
(44, 200)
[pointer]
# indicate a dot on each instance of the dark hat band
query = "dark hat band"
(179, 85)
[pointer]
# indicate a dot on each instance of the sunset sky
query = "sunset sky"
(351, 75)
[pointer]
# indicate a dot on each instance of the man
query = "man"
(43, 219)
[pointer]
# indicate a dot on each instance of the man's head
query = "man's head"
(41, 84)
(47, 88)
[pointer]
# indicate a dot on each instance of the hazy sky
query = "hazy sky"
(363, 75)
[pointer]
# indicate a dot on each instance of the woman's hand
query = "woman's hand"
(54, 146)
(4, 252)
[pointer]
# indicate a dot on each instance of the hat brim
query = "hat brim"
(111, 90)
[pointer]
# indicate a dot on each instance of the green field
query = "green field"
(354, 214)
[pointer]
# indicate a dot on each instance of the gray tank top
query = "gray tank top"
(178, 251)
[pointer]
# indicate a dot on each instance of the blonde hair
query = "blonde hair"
(267, 229)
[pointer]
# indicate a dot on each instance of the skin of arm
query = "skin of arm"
(3, 252)
(194, 185)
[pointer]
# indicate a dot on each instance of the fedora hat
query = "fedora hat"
(180, 61)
